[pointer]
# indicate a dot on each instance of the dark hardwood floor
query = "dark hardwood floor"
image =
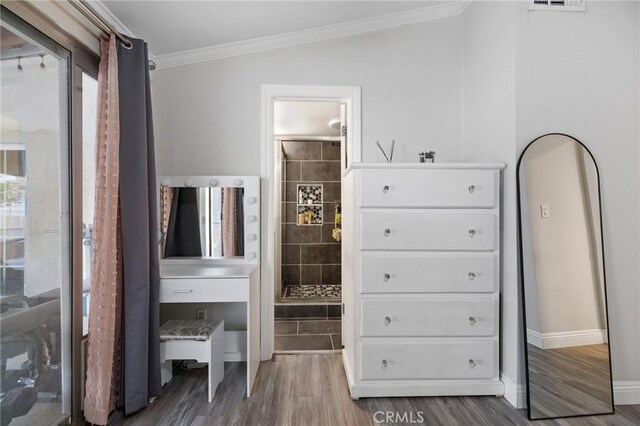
(301, 390)
(569, 381)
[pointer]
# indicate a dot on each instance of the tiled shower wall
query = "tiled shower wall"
(310, 255)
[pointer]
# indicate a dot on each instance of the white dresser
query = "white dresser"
(421, 274)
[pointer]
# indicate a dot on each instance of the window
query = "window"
(35, 291)
(89, 124)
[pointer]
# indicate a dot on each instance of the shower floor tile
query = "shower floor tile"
(313, 291)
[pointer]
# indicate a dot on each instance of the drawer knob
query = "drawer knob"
(472, 276)
(472, 321)
(472, 189)
(472, 364)
(387, 277)
(387, 320)
(387, 232)
(385, 364)
(472, 233)
(184, 290)
(385, 189)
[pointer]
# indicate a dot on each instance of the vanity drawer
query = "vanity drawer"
(434, 317)
(428, 230)
(203, 290)
(428, 273)
(428, 188)
(394, 360)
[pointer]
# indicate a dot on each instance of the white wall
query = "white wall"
(488, 134)
(579, 73)
(207, 116)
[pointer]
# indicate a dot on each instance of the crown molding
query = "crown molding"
(105, 13)
(313, 35)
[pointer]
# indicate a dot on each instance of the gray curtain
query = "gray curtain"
(240, 221)
(183, 230)
(140, 378)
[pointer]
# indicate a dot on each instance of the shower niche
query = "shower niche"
(309, 204)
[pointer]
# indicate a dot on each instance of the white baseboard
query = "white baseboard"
(534, 338)
(626, 392)
(235, 346)
(516, 395)
(566, 339)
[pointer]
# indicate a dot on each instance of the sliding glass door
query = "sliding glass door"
(35, 287)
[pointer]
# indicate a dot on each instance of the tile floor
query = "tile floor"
(313, 291)
(294, 335)
(293, 310)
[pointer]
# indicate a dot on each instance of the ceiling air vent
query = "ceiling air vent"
(558, 5)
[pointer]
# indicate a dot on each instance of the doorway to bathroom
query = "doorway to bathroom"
(308, 293)
(309, 133)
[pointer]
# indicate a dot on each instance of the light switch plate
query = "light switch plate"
(545, 211)
(201, 314)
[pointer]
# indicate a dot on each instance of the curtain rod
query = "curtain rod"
(83, 7)
(89, 12)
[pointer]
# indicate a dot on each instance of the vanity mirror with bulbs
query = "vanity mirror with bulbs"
(210, 258)
(212, 218)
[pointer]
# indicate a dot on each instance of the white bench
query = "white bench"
(201, 340)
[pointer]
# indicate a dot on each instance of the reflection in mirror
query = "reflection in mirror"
(562, 271)
(202, 222)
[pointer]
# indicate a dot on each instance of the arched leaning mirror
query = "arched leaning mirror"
(563, 280)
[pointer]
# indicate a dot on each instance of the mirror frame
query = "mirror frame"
(522, 277)
(251, 200)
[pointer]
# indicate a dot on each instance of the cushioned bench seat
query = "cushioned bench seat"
(201, 340)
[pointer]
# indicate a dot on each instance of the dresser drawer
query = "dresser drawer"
(428, 273)
(203, 290)
(429, 360)
(428, 230)
(428, 188)
(432, 317)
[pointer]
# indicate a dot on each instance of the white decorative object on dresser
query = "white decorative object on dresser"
(213, 278)
(421, 253)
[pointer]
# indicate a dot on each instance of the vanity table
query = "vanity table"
(197, 283)
(213, 277)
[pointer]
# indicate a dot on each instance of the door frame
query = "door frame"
(351, 96)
